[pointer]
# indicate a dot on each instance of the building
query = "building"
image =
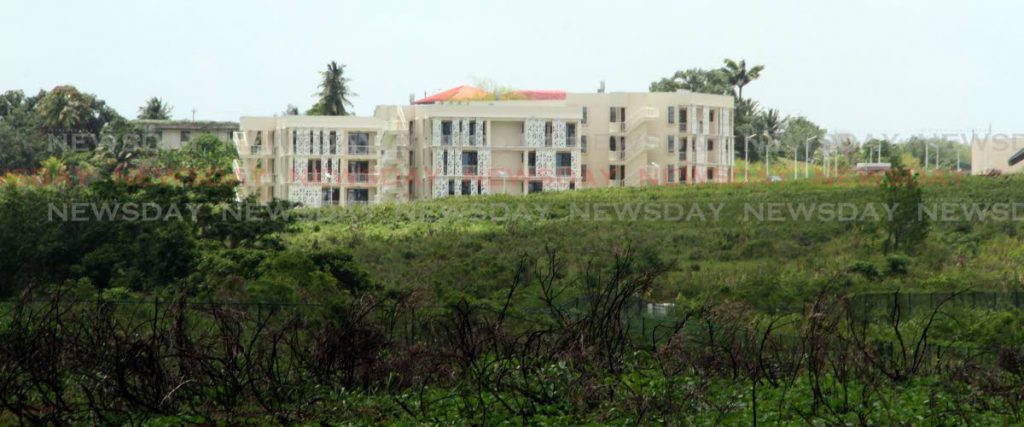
(173, 134)
(465, 141)
(997, 154)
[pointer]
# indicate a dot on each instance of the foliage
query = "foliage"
(334, 93)
(907, 227)
(698, 80)
(155, 109)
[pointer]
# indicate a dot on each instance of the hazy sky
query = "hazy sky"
(880, 67)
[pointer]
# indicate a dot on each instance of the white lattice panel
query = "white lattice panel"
(558, 133)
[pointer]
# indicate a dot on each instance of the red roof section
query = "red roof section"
(471, 93)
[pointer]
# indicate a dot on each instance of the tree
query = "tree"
(334, 93)
(291, 110)
(155, 109)
(739, 76)
(901, 191)
(206, 151)
(65, 109)
(799, 131)
(695, 80)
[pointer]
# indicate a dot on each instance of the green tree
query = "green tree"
(901, 191)
(334, 93)
(799, 131)
(206, 151)
(739, 76)
(65, 109)
(695, 80)
(155, 109)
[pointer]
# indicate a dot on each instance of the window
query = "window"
(531, 162)
(357, 196)
(333, 141)
(682, 174)
(671, 144)
(295, 142)
(583, 173)
(451, 187)
(444, 162)
(613, 172)
(570, 134)
(563, 164)
(671, 174)
(469, 163)
(535, 187)
(711, 174)
(612, 113)
(711, 144)
(711, 115)
(446, 132)
(611, 143)
(684, 146)
(671, 115)
(187, 135)
(313, 170)
(311, 142)
(330, 196)
(584, 115)
(359, 143)
(466, 188)
(583, 143)
(682, 120)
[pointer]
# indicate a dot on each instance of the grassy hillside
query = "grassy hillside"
(771, 244)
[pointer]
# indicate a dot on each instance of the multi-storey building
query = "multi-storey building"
(445, 146)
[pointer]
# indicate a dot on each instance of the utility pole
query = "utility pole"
(807, 159)
(926, 156)
(193, 114)
(796, 166)
(746, 159)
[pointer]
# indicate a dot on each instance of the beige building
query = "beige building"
(993, 154)
(446, 147)
(173, 134)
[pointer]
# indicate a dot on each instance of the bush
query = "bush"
(897, 264)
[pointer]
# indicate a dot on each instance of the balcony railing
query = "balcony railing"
(570, 141)
(358, 177)
(446, 140)
(616, 156)
(359, 149)
(469, 170)
(475, 140)
(562, 171)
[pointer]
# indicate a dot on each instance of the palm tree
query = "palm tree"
(155, 109)
(740, 76)
(334, 92)
(64, 108)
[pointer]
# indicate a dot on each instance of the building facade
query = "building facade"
(451, 148)
(173, 134)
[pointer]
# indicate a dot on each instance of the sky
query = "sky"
(867, 67)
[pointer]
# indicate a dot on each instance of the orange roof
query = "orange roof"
(470, 93)
(460, 93)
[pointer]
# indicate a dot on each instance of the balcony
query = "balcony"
(359, 150)
(358, 177)
(469, 170)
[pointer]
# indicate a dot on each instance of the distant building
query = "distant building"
(993, 155)
(464, 142)
(173, 134)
